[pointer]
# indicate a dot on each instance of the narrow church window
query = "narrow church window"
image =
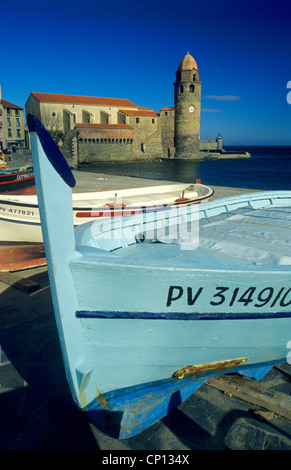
(191, 89)
(137, 120)
(194, 77)
(85, 117)
(181, 88)
(104, 118)
(153, 121)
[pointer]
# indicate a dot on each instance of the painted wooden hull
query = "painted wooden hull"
(16, 180)
(147, 310)
(18, 256)
(20, 219)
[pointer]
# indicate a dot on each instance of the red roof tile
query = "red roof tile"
(104, 126)
(75, 99)
(6, 104)
(140, 112)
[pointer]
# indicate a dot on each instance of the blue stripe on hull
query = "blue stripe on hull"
(178, 315)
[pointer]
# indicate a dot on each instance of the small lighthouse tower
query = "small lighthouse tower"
(187, 109)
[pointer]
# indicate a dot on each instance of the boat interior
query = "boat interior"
(243, 238)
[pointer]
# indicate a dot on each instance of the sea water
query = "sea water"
(268, 168)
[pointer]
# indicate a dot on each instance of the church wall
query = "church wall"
(32, 106)
(147, 137)
(92, 152)
(167, 123)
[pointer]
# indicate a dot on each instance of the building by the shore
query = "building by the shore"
(92, 129)
(12, 132)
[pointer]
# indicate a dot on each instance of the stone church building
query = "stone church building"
(107, 129)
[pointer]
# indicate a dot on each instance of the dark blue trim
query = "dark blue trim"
(51, 150)
(179, 315)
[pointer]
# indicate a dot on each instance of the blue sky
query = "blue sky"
(131, 49)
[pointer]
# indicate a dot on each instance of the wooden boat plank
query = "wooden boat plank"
(20, 256)
(252, 392)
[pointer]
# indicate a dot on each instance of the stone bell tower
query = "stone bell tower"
(187, 109)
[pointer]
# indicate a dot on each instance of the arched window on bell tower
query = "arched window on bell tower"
(191, 88)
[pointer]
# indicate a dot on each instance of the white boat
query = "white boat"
(20, 219)
(148, 307)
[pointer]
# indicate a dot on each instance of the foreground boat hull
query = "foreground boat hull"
(144, 320)
(138, 363)
(155, 357)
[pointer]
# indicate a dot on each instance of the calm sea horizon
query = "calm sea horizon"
(268, 168)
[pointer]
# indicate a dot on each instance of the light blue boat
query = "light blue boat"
(149, 307)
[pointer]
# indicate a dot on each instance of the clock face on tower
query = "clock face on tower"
(191, 109)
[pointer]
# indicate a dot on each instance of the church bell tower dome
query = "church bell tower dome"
(188, 63)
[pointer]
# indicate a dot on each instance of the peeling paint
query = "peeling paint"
(197, 370)
(102, 401)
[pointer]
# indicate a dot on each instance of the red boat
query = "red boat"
(14, 256)
(17, 181)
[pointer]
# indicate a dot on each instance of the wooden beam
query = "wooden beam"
(253, 392)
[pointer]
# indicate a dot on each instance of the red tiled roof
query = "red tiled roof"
(167, 109)
(140, 112)
(6, 104)
(75, 99)
(104, 126)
